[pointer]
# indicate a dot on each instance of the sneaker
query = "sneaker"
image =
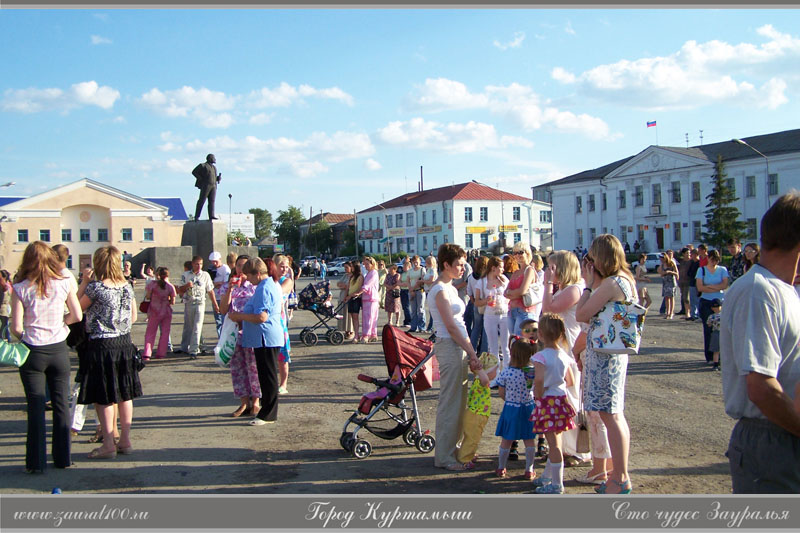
(283, 390)
(550, 488)
(716, 367)
(542, 481)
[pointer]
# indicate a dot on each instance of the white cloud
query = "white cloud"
(285, 95)
(568, 28)
(180, 165)
(698, 74)
(371, 164)
(119, 119)
(33, 100)
(442, 94)
(516, 42)
(204, 105)
(97, 39)
(260, 119)
(452, 137)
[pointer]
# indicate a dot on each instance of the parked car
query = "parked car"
(336, 268)
(651, 263)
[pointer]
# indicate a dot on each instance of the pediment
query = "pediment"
(657, 159)
(82, 192)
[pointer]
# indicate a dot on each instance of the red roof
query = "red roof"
(471, 190)
(331, 218)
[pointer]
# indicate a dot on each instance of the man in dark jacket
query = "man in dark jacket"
(206, 179)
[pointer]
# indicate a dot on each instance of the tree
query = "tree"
(722, 218)
(320, 238)
(263, 222)
(287, 228)
(349, 240)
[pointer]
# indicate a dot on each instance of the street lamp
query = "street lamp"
(766, 160)
(230, 212)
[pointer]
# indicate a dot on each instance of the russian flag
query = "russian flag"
(651, 124)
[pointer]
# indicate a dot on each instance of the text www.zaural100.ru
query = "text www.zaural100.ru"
(59, 517)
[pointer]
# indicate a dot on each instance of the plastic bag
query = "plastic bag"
(226, 345)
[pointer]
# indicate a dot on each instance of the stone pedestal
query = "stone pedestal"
(205, 236)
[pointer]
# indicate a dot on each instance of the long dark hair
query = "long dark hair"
(355, 270)
(163, 276)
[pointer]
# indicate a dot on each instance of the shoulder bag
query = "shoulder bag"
(533, 296)
(617, 328)
(13, 353)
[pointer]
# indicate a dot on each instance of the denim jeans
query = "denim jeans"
(468, 318)
(406, 309)
(694, 302)
(416, 301)
(478, 337)
(516, 316)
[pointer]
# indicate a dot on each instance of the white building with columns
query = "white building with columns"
(658, 197)
(470, 214)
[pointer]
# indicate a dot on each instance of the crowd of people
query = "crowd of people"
(523, 324)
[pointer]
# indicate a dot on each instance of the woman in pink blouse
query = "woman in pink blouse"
(161, 294)
(37, 317)
(370, 294)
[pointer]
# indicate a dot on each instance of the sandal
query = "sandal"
(460, 467)
(124, 451)
(98, 453)
(624, 488)
(595, 479)
(240, 411)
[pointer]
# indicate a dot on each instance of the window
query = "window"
(370, 245)
(656, 194)
(409, 219)
(467, 214)
(378, 222)
(85, 235)
(66, 235)
(545, 217)
(424, 219)
(750, 186)
(590, 202)
(772, 184)
(517, 237)
(516, 214)
(695, 191)
(44, 235)
(127, 233)
(623, 234)
(640, 233)
(578, 204)
(362, 224)
(752, 228)
(22, 235)
(435, 240)
(676, 231)
(424, 243)
(676, 192)
(388, 221)
(398, 220)
(468, 240)
(697, 233)
(731, 184)
(102, 235)
(444, 239)
(484, 240)
(433, 217)
(410, 244)
(592, 234)
(484, 214)
(147, 234)
(579, 236)
(69, 262)
(605, 204)
(638, 196)
(444, 215)
(622, 200)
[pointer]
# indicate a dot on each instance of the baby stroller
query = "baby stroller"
(317, 299)
(410, 362)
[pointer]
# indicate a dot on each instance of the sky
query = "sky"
(337, 110)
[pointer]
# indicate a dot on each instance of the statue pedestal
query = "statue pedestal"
(206, 236)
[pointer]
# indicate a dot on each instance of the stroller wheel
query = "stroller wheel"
(361, 449)
(309, 339)
(426, 443)
(336, 337)
(411, 436)
(344, 440)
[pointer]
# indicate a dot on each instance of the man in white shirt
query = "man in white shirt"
(223, 272)
(195, 286)
(760, 357)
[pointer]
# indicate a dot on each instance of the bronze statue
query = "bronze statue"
(206, 179)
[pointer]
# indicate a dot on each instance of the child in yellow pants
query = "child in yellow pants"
(479, 407)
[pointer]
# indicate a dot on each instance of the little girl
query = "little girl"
(479, 408)
(515, 420)
(529, 331)
(553, 413)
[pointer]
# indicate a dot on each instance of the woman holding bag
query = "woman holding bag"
(161, 295)
(519, 284)
(608, 280)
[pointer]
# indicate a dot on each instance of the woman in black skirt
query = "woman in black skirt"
(111, 375)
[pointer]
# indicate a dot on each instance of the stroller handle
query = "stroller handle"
(365, 378)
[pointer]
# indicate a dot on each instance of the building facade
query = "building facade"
(85, 215)
(658, 197)
(470, 214)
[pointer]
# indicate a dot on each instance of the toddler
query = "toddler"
(713, 322)
(529, 331)
(553, 413)
(479, 407)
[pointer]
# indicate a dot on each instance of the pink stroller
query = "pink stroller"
(411, 365)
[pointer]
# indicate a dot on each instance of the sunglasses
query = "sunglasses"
(530, 330)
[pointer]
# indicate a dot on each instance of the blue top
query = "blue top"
(269, 334)
(708, 278)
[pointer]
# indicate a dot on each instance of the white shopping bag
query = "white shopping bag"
(227, 343)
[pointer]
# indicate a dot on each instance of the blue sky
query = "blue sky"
(338, 109)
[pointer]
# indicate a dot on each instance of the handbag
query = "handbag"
(533, 296)
(617, 327)
(395, 293)
(13, 353)
(138, 359)
(226, 344)
(144, 306)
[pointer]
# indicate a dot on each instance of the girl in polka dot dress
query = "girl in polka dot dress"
(515, 420)
(553, 413)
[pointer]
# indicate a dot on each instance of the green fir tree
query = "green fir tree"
(722, 217)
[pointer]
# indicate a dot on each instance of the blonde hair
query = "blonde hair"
(432, 260)
(552, 330)
(537, 262)
(608, 256)
(231, 259)
(371, 261)
(279, 259)
(106, 263)
(568, 268)
(525, 248)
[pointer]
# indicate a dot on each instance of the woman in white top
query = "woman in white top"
(489, 292)
(452, 348)
(428, 280)
(37, 317)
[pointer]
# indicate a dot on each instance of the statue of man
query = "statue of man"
(206, 179)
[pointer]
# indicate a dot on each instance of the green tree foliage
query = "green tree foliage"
(287, 228)
(722, 218)
(320, 238)
(263, 222)
(349, 240)
(238, 235)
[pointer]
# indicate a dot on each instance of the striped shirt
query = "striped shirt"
(43, 319)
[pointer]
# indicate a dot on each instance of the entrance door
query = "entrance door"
(84, 261)
(660, 238)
